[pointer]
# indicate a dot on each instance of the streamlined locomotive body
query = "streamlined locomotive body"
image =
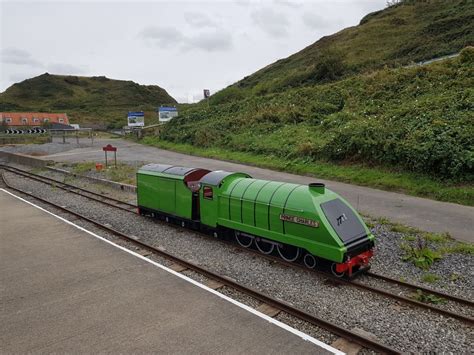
(297, 222)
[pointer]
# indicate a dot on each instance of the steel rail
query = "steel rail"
(461, 317)
(359, 285)
(278, 304)
(424, 289)
(70, 188)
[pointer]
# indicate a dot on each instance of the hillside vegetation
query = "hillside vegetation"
(351, 103)
(418, 119)
(411, 31)
(92, 101)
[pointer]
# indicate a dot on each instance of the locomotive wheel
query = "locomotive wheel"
(309, 261)
(334, 272)
(288, 252)
(243, 240)
(264, 247)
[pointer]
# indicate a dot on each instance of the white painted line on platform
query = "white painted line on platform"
(302, 335)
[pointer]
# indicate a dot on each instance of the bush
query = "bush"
(467, 55)
(415, 119)
(329, 67)
(230, 94)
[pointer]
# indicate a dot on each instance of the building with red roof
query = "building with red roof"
(32, 119)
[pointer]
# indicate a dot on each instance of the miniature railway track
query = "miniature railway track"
(360, 285)
(373, 289)
(225, 281)
(129, 207)
(424, 289)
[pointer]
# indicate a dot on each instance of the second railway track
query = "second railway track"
(115, 203)
(129, 207)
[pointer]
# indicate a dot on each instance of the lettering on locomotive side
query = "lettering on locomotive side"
(299, 220)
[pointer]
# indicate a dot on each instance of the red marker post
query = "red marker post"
(110, 148)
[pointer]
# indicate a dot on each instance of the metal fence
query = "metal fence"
(82, 135)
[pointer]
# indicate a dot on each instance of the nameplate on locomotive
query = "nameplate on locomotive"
(299, 220)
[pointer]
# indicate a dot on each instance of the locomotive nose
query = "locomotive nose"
(343, 219)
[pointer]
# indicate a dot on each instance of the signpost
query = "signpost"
(166, 113)
(110, 148)
(136, 119)
(207, 94)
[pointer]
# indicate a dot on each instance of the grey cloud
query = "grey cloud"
(198, 19)
(162, 36)
(171, 37)
(273, 23)
(288, 3)
(242, 2)
(211, 42)
(65, 68)
(314, 21)
(17, 77)
(19, 57)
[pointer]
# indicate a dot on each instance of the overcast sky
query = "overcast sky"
(182, 46)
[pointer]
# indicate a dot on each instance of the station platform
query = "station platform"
(65, 289)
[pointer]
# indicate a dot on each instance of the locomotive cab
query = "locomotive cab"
(170, 191)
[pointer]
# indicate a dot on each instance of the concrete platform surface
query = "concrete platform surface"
(423, 213)
(65, 290)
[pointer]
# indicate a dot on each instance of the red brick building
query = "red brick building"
(31, 119)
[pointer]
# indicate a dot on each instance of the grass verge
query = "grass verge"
(408, 183)
(122, 173)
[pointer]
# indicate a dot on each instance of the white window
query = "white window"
(61, 120)
(36, 120)
(24, 120)
(8, 119)
(45, 120)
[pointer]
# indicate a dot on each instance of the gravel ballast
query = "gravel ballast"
(402, 327)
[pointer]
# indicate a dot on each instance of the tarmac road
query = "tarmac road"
(422, 213)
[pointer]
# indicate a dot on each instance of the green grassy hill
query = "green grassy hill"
(412, 31)
(417, 119)
(91, 101)
(350, 106)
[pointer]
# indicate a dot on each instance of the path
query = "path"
(422, 213)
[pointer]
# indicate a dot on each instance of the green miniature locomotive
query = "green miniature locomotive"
(298, 222)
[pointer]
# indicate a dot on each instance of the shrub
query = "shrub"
(467, 55)
(227, 95)
(329, 67)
